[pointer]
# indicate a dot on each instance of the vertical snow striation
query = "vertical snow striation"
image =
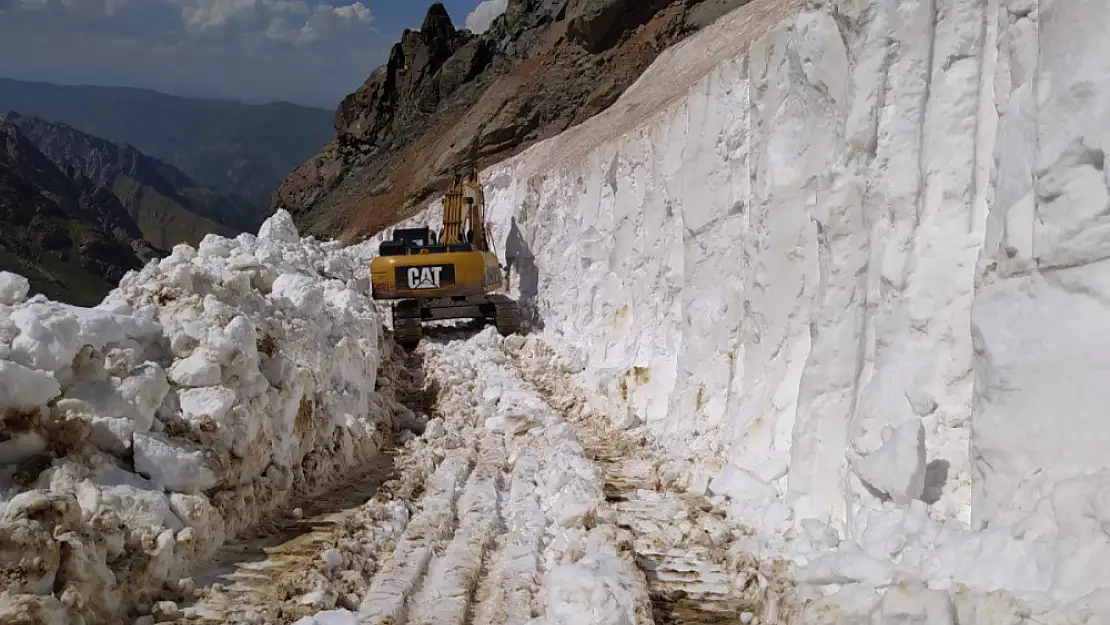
(844, 259)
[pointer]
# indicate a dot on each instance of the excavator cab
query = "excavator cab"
(453, 276)
(403, 240)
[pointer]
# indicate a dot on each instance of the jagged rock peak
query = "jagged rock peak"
(437, 19)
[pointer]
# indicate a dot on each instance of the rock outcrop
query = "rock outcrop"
(447, 97)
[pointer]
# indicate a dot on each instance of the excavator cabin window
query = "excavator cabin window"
(413, 240)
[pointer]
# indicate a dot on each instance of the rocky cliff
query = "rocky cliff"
(168, 206)
(69, 236)
(448, 97)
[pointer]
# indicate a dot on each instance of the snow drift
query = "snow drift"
(202, 394)
(846, 260)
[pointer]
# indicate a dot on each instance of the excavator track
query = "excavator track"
(506, 315)
(407, 330)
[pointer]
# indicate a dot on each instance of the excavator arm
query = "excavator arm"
(464, 213)
(477, 200)
(454, 215)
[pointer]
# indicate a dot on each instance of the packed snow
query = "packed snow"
(494, 515)
(843, 262)
(200, 396)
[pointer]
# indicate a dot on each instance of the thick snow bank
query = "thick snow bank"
(847, 265)
(200, 395)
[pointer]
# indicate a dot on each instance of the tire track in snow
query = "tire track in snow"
(432, 576)
(271, 573)
(513, 534)
(681, 542)
(492, 517)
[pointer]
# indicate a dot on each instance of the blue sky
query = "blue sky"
(307, 51)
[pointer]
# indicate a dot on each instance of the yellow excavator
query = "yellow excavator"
(454, 277)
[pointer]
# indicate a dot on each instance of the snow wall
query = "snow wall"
(845, 260)
(204, 393)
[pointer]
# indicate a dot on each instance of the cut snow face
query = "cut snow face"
(204, 393)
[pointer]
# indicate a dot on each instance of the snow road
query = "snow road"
(502, 512)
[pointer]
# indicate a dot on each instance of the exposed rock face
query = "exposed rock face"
(70, 237)
(447, 97)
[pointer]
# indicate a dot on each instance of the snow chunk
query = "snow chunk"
(22, 388)
(595, 589)
(212, 387)
(279, 228)
(212, 402)
(897, 469)
(330, 617)
(13, 288)
(915, 604)
(199, 369)
(303, 292)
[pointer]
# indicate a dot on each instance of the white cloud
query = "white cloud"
(206, 15)
(304, 26)
(483, 15)
(288, 21)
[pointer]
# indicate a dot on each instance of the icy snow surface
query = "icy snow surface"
(845, 261)
(201, 395)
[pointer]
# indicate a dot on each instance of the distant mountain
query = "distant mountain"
(237, 148)
(168, 205)
(71, 238)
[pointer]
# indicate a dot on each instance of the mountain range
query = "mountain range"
(70, 237)
(95, 181)
(240, 149)
(80, 211)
